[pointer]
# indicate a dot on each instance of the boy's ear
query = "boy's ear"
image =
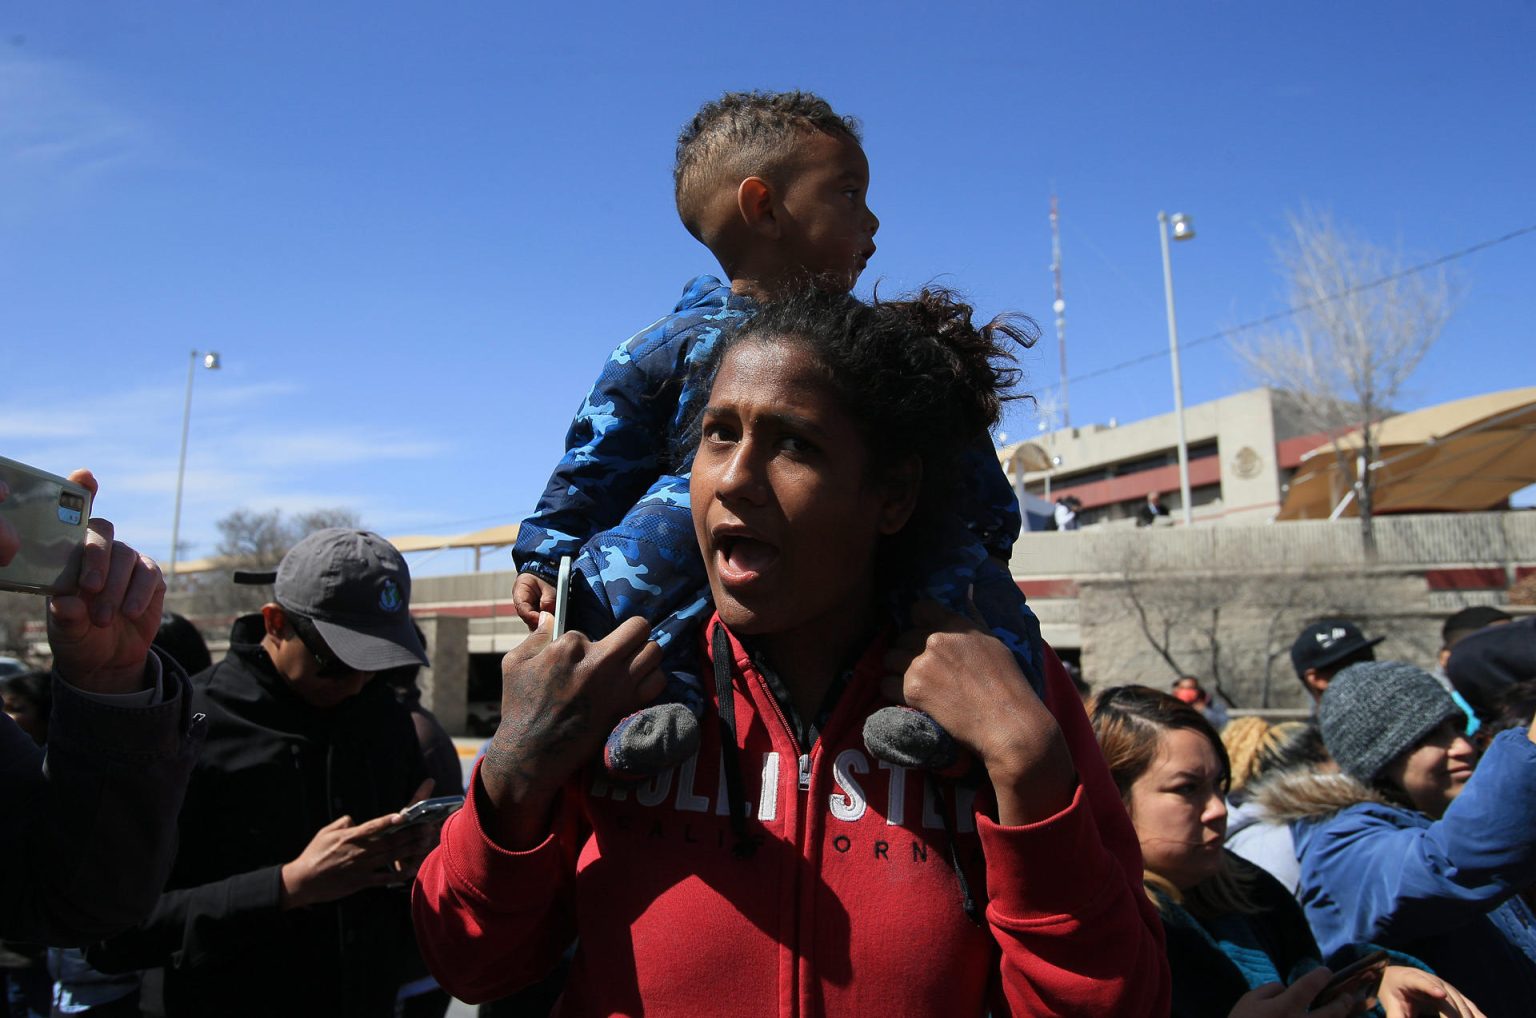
(902, 484)
(755, 202)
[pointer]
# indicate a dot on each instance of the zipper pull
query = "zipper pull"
(805, 772)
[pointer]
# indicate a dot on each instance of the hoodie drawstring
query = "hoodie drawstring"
(967, 900)
(730, 753)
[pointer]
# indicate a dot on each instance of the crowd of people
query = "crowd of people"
(802, 749)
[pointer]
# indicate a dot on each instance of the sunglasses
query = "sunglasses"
(329, 665)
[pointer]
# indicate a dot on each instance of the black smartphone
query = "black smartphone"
(49, 514)
(430, 810)
(1361, 978)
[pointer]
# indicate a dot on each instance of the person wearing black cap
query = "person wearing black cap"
(1458, 627)
(281, 899)
(1485, 665)
(1327, 647)
(1464, 623)
(1408, 846)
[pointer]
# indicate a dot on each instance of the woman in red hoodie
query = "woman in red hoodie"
(784, 870)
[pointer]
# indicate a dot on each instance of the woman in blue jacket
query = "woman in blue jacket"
(1408, 846)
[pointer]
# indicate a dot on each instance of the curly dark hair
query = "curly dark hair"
(918, 377)
(745, 134)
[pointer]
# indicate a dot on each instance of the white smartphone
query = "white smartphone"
(562, 597)
(49, 515)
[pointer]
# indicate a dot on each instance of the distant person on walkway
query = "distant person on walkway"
(1067, 507)
(1151, 510)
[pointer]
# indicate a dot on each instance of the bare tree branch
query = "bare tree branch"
(1352, 348)
(251, 540)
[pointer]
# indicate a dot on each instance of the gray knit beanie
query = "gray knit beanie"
(1375, 711)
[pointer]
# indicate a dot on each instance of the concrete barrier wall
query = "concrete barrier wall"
(1413, 542)
(1277, 575)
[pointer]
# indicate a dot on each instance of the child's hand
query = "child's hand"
(969, 683)
(532, 594)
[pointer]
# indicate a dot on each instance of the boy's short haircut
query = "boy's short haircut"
(745, 134)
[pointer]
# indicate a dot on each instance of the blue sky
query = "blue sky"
(414, 231)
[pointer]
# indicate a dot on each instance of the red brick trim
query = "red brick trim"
(1468, 578)
(1044, 589)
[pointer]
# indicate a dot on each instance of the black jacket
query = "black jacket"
(1206, 980)
(86, 839)
(274, 771)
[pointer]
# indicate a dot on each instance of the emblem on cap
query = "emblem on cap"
(389, 596)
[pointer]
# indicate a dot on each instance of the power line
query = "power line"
(1295, 309)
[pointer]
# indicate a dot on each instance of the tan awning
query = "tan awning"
(488, 537)
(1023, 458)
(1462, 456)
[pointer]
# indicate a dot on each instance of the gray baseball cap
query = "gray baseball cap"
(355, 587)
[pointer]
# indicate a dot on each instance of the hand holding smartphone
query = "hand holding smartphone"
(429, 811)
(1359, 979)
(46, 517)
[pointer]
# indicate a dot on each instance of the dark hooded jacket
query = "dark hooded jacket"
(274, 771)
(87, 836)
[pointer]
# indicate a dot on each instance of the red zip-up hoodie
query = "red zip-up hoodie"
(850, 904)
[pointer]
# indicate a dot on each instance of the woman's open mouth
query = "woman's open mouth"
(741, 559)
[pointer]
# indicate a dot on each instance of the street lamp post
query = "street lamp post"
(1183, 229)
(211, 362)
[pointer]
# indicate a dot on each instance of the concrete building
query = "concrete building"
(1242, 451)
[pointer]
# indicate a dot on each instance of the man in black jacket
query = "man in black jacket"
(289, 894)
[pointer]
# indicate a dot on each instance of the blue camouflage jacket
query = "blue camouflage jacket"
(618, 442)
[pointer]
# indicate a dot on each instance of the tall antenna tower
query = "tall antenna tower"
(1060, 307)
